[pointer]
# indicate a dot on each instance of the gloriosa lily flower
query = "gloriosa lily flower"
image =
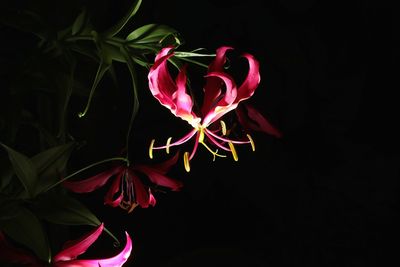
(127, 189)
(67, 257)
(221, 95)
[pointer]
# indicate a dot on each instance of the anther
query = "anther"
(151, 148)
(223, 127)
(186, 161)
(201, 135)
(253, 146)
(167, 145)
(233, 151)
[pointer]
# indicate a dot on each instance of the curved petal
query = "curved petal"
(252, 80)
(114, 189)
(152, 199)
(171, 95)
(251, 119)
(142, 196)
(161, 84)
(160, 179)
(73, 249)
(162, 167)
(116, 261)
(226, 103)
(92, 183)
(212, 88)
(11, 254)
(183, 101)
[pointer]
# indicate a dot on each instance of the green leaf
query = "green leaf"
(65, 210)
(120, 24)
(150, 33)
(24, 169)
(9, 208)
(50, 164)
(79, 22)
(112, 52)
(26, 229)
(103, 67)
(6, 174)
(132, 71)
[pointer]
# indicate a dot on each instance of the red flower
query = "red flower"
(127, 190)
(67, 257)
(221, 95)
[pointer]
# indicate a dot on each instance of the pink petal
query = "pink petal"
(252, 80)
(161, 84)
(172, 96)
(165, 166)
(73, 249)
(251, 119)
(226, 104)
(183, 101)
(152, 199)
(142, 196)
(116, 261)
(115, 188)
(212, 89)
(92, 183)
(159, 179)
(11, 254)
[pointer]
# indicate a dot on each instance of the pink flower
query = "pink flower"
(127, 190)
(67, 257)
(221, 95)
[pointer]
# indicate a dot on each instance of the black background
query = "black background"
(326, 194)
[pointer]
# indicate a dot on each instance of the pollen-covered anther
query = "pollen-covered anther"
(151, 148)
(223, 127)
(253, 145)
(186, 161)
(167, 145)
(233, 151)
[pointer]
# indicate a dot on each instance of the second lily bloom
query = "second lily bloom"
(221, 95)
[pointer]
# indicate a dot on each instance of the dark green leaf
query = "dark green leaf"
(151, 33)
(24, 169)
(79, 22)
(63, 209)
(103, 67)
(119, 25)
(112, 52)
(50, 164)
(6, 174)
(26, 229)
(132, 71)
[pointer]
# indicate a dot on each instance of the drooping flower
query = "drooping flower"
(221, 95)
(127, 189)
(67, 257)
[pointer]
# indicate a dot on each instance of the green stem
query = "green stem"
(86, 168)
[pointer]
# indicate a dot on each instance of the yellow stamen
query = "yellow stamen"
(233, 150)
(168, 143)
(212, 152)
(186, 161)
(223, 127)
(253, 146)
(201, 136)
(151, 148)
